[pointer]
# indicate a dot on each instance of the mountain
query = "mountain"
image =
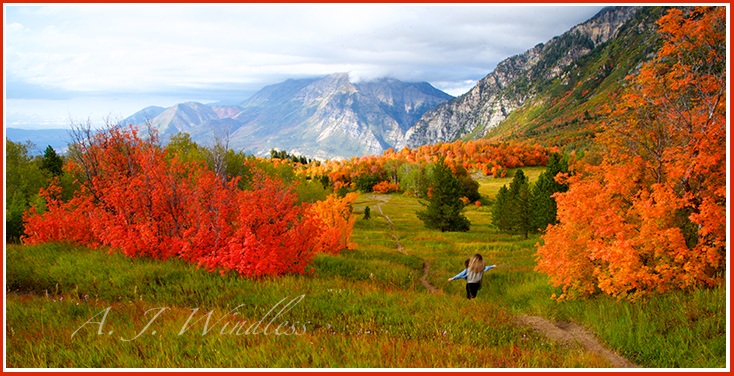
(144, 115)
(327, 117)
(547, 93)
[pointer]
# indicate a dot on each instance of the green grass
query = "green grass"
(365, 308)
(352, 318)
(489, 186)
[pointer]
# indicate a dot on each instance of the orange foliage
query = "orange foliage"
(651, 216)
(336, 221)
(385, 187)
(479, 155)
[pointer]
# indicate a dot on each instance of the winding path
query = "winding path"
(399, 246)
(565, 332)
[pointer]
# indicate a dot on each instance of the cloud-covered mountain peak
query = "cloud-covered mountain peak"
(325, 117)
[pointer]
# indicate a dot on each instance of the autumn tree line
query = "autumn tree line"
(410, 171)
(226, 210)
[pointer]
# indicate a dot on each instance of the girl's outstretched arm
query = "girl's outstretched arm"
(461, 275)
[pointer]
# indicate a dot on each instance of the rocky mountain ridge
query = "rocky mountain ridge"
(327, 117)
(512, 83)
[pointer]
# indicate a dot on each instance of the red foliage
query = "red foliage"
(133, 200)
(62, 221)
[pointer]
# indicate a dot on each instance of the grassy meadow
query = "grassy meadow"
(69, 306)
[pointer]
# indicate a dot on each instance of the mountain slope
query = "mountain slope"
(327, 117)
(332, 117)
(567, 110)
(41, 138)
(146, 114)
(538, 76)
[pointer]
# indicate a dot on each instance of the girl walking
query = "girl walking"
(473, 274)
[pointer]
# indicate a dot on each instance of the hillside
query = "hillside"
(566, 111)
(552, 92)
(41, 138)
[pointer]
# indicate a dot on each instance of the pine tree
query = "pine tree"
(543, 205)
(500, 210)
(52, 162)
(445, 205)
(512, 210)
(519, 212)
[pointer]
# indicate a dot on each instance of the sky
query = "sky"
(67, 63)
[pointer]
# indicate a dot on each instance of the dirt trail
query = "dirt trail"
(571, 334)
(383, 200)
(567, 333)
(426, 264)
(424, 278)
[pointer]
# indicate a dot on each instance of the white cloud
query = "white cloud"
(155, 49)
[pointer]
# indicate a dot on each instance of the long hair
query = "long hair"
(476, 263)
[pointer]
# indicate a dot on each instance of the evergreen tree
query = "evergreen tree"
(543, 205)
(512, 211)
(500, 210)
(444, 207)
(519, 204)
(366, 212)
(469, 187)
(364, 183)
(52, 162)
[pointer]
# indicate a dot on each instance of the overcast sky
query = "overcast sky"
(79, 62)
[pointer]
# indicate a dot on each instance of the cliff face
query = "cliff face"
(513, 82)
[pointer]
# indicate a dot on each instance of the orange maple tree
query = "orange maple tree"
(334, 218)
(385, 187)
(650, 215)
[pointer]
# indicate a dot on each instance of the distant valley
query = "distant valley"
(41, 138)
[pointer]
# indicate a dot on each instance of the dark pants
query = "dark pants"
(471, 290)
